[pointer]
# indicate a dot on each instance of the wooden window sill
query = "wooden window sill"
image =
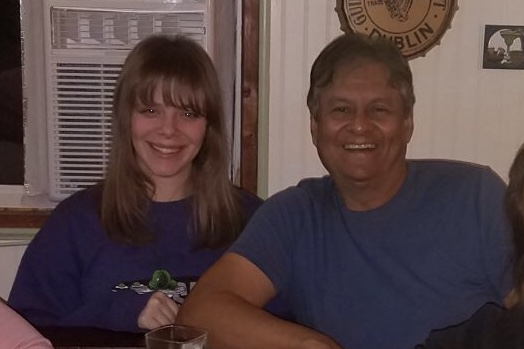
(22, 218)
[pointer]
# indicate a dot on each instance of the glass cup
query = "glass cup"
(176, 337)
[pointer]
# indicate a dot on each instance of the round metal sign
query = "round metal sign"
(414, 25)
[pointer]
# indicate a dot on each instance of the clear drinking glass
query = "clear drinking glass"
(176, 337)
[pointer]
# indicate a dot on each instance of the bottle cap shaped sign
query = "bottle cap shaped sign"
(414, 25)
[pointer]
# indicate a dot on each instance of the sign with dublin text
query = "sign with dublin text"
(415, 26)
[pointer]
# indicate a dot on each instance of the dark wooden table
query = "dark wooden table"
(87, 337)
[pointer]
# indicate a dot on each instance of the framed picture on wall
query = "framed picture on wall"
(503, 47)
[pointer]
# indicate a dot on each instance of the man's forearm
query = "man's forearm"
(234, 323)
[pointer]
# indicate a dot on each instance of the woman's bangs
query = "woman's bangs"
(184, 95)
(183, 92)
(145, 90)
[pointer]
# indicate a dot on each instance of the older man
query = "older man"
(379, 252)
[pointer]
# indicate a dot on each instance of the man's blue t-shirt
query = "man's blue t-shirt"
(384, 278)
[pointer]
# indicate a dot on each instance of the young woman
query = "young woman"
(166, 203)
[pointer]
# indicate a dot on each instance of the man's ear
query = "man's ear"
(313, 128)
(408, 125)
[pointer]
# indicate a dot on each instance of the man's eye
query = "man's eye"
(380, 110)
(341, 109)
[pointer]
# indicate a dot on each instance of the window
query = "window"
(11, 115)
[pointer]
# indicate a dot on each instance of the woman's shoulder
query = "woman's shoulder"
(248, 199)
(509, 328)
(73, 220)
(491, 327)
(79, 206)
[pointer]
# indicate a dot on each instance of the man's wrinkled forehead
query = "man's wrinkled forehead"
(350, 65)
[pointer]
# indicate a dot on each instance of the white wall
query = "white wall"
(11, 252)
(462, 112)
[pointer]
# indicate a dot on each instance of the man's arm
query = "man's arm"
(227, 301)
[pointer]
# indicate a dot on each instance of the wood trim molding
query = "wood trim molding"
(34, 218)
(249, 95)
(22, 218)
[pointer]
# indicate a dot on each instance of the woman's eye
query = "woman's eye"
(147, 111)
(191, 114)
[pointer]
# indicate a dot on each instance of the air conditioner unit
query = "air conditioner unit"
(86, 43)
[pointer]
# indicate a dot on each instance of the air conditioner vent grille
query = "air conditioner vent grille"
(84, 28)
(80, 138)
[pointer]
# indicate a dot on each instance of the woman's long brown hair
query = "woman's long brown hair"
(188, 79)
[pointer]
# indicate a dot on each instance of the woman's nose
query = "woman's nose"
(169, 123)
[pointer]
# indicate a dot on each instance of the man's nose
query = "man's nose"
(360, 122)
